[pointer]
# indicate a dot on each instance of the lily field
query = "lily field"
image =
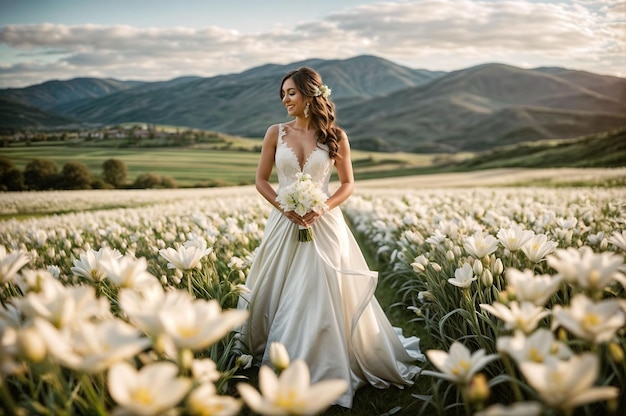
(123, 302)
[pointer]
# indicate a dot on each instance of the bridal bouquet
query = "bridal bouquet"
(302, 196)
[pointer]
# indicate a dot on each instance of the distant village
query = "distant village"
(128, 134)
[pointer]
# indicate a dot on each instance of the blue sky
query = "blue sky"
(159, 40)
(242, 15)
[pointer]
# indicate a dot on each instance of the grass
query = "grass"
(230, 160)
(200, 165)
(188, 166)
(607, 149)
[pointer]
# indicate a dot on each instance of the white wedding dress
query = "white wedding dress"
(317, 298)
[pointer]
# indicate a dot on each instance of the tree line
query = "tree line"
(44, 174)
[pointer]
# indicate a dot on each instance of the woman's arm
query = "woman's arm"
(266, 164)
(343, 164)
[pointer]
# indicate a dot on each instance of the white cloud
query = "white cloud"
(432, 34)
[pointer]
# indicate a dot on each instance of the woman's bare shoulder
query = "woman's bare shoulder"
(273, 128)
(341, 134)
(271, 135)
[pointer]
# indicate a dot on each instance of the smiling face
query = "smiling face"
(293, 100)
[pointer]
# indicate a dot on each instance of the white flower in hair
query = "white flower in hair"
(322, 90)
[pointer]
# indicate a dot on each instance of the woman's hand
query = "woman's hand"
(308, 219)
(312, 216)
(295, 218)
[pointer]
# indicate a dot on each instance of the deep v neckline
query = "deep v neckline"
(301, 166)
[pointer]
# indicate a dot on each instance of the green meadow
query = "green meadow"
(187, 166)
(219, 160)
(198, 165)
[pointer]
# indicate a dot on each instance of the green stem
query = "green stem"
(466, 401)
(92, 396)
(102, 384)
(215, 278)
(480, 324)
(510, 371)
(7, 400)
(470, 306)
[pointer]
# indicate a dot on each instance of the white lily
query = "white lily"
(463, 276)
(567, 384)
(9, 364)
(195, 240)
(11, 263)
(279, 357)
(144, 306)
(523, 316)
(436, 238)
(89, 267)
(204, 401)
(598, 239)
(31, 280)
(63, 306)
(480, 245)
(594, 321)
(586, 269)
(30, 344)
(514, 238)
(458, 365)
(92, 348)
(527, 286)
(10, 324)
(245, 361)
(618, 240)
(196, 325)
(514, 409)
(153, 390)
(538, 347)
(205, 370)
(10, 315)
(185, 257)
(291, 393)
(128, 272)
(538, 247)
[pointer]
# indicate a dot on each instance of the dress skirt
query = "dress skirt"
(317, 299)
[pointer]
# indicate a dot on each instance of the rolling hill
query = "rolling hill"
(382, 105)
(23, 116)
(606, 149)
(243, 104)
(483, 106)
(52, 93)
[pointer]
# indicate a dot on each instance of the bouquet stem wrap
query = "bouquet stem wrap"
(305, 234)
(302, 196)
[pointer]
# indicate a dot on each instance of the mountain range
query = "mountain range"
(382, 105)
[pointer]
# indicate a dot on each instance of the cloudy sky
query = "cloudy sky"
(163, 39)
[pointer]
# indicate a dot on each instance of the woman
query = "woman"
(316, 298)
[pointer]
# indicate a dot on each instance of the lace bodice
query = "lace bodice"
(318, 164)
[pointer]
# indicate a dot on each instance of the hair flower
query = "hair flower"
(322, 90)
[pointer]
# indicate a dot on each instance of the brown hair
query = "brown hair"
(322, 110)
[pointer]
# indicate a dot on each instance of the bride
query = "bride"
(317, 297)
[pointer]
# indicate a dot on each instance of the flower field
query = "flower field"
(522, 290)
(131, 310)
